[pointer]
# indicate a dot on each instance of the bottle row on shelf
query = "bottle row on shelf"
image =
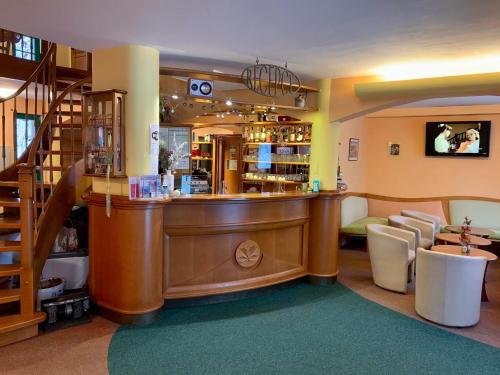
(277, 158)
(100, 120)
(277, 134)
(268, 177)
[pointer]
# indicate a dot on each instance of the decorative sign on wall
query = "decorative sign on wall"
(154, 147)
(270, 80)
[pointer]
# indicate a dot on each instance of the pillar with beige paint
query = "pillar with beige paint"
(324, 142)
(133, 69)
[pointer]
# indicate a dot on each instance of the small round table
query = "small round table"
(475, 231)
(457, 250)
(455, 238)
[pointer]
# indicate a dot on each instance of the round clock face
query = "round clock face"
(205, 88)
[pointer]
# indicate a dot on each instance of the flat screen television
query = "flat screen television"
(458, 138)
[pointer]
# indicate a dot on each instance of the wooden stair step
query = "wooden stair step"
(10, 222)
(13, 322)
(77, 113)
(47, 168)
(10, 245)
(9, 295)
(75, 101)
(10, 269)
(10, 202)
(67, 137)
(74, 126)
(57, 152)
(13, 184)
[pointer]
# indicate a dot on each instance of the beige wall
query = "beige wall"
(413, 174)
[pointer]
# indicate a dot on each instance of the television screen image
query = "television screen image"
(458, 138)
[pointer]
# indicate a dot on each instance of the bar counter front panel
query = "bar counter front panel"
(214, 246)
(209, 244)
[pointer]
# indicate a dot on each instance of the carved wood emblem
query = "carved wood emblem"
(248, 254)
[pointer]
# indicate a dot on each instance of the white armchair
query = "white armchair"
(424, 231)
(392, 255)
(448, 288)
(435, 220)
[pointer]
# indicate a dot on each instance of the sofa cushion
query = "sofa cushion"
(495, 236)
(358, 227)
(484, 214)
(352, 209)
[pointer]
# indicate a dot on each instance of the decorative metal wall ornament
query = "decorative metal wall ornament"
(269, 80)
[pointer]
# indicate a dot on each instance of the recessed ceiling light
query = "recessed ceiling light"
(229, 102)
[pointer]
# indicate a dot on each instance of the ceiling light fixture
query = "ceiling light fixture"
(229, 102)
(175, 96)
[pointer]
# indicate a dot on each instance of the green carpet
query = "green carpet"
(304, 329)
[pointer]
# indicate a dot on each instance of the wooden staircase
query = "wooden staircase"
(37, 189)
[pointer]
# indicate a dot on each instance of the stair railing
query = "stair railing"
(28, 105)
(51, 155)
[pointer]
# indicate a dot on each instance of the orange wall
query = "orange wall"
(412, 174)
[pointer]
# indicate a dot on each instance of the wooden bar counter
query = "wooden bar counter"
(205, 245)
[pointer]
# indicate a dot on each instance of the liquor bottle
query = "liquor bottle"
(251, 135)
(274, 136)
(285, 135)
(291, 137)
(268, 135)
(300, 135)
(264, 116)
(263, 135)
(307, 135)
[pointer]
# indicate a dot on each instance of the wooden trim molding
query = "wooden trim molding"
(420, 199)
(121, 201)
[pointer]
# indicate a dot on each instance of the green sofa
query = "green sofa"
(484, 214)
(354, 216)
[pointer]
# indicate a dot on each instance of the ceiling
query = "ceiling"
(318, 38)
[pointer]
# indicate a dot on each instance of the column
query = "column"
(325, 209)
(136, 70)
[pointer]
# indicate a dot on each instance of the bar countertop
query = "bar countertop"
(189, 198)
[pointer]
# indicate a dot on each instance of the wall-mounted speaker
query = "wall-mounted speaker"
(201, 88)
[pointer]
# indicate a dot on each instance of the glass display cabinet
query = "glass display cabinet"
(276, 155)
(104, 132)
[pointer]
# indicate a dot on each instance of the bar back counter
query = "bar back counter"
(150, 252)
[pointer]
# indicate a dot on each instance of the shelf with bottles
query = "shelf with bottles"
(274, 178)
(104, 133)
(276, 134)
(203, 157)
(278, 144)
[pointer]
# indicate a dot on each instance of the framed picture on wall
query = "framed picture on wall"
(394, 149)
(353, 149)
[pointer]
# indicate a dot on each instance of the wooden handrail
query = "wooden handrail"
(48, 118)
(34, 75)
